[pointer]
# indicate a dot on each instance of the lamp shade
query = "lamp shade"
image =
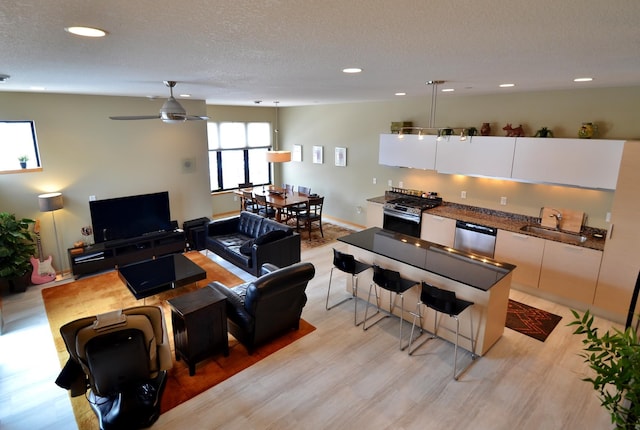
(278, 156)
(50, 202)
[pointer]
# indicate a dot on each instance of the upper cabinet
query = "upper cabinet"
(411, 151)
(589, 163)
(477, 156)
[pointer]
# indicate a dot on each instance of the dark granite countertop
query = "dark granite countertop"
(504, 221)
(478, 272)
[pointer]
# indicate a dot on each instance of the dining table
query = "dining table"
(278, 198)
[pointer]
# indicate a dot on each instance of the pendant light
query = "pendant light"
(277, 156)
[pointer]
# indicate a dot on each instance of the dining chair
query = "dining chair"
(304, 190)
(248, 202)
(288, 188)
(264, 209)
(443, 302)
(312, 213)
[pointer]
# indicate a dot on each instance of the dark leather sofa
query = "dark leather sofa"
(263, 309)
(249, 241)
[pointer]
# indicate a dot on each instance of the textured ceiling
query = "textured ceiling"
(236, 52)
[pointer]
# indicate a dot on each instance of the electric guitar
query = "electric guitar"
(43, 271)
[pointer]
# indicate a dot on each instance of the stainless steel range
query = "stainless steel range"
(402, 212)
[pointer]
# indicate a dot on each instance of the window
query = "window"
(237, 154)
(18, 144)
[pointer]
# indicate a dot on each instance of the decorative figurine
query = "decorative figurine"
(513, 132)
(485, 130)
(587, 130)
(472, 131)
(544, 132)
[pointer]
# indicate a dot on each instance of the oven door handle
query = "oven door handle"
(402, 215)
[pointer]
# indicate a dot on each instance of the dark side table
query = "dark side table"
(199, 320)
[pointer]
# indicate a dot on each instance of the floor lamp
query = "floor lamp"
(51, 202)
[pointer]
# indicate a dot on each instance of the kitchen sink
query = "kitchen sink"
(547, 233)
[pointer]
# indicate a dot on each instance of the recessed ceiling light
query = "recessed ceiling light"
(86, 31)
(583, 80)
(507, 85)
(352, 70)
(448, 90)
(37, 88)
(401, 94)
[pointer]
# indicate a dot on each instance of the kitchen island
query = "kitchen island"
(484, 281)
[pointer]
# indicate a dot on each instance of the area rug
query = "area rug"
(331, 233)
(531, 321)
(93, 295)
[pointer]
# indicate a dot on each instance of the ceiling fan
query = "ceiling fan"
(171, 111)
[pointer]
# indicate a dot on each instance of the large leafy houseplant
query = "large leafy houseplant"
(615, 359)
(16, 247)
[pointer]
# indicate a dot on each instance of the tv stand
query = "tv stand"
(111, 254)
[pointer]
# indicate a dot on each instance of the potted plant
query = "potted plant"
(16, 248)
(23, 161)
(615, 359)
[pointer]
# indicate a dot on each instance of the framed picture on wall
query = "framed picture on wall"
(317, 155)
(296, 155)
(341, 157)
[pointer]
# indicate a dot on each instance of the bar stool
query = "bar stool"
(347, 264)
(391, 281)
(445, 302)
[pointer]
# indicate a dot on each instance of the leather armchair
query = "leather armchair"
(263, 309)
(122, 356)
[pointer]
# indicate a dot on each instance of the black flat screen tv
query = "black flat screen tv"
(132, 216)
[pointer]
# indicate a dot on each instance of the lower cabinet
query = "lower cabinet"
(523, 251)
(570, 271)
(438, 229)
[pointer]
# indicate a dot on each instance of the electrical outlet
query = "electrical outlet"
(503, 201)
(390, 183)
(92, 198)
(401, 184)
(375, 181)
(607, 218)
(463, 194)
(235, 198)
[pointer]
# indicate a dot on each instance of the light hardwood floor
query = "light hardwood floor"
(337, 377)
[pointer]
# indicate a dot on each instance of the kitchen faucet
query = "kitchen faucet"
(558, 216)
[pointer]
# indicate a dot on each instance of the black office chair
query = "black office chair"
(445, 302)
(391, 281)
(347, 264)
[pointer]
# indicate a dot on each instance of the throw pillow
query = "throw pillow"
(245, 248)
(271, 236)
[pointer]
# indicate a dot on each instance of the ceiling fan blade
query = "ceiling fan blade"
(196, 118)
(128, 118)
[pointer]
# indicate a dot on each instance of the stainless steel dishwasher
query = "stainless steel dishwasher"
(475, 238)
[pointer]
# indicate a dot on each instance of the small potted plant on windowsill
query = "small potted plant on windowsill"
(23, 161)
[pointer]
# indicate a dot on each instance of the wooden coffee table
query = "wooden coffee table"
(150, 277)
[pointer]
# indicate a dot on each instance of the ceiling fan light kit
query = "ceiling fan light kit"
(171, 111)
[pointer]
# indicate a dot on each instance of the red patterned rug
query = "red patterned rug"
(531, 321)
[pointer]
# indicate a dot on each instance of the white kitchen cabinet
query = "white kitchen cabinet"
(570, 271)
(411, 151)
(589, 163)
(621, 257)
(477, 156)
(375, 215)
(438, 229)
(523, 251)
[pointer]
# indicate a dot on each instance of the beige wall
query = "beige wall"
(84, 153)
(357, 127)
